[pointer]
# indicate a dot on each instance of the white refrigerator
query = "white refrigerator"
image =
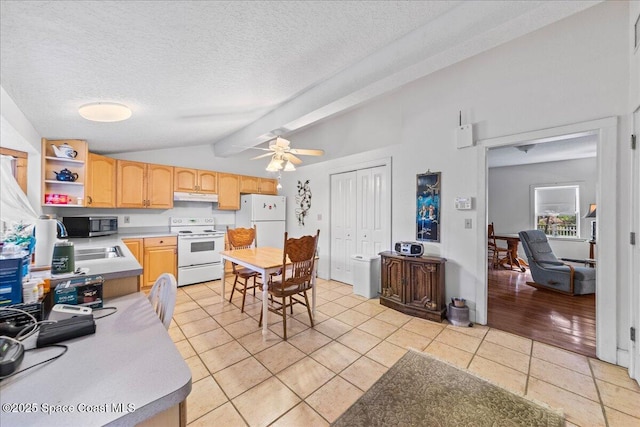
(268, 214)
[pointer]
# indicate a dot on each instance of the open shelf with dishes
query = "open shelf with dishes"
(64, 172)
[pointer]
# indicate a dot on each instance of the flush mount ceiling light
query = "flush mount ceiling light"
(105, 112)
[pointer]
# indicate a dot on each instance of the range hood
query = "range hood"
(195, 197)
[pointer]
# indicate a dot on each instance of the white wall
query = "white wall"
(198, 157)
(17, 133)
(509, 198)
(634, 64)
(572, 71)
(152, 217)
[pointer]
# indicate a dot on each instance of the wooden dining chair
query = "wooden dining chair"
(242, 238)
(296, 278)
(493, 249)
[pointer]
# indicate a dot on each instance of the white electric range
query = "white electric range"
(199, 246)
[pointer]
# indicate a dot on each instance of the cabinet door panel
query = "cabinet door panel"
(422, 285)
(159, 186)
(268, 186)
(229, 191)
(136, 246)
(130, 184)
(185, 179)
(249, 184)
(392, 279)
(101, 182)
(208, 182)
(158, 260)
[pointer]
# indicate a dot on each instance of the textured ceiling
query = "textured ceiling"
(198, 72)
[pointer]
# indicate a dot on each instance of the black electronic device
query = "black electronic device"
(62, 330)
(12, 321)
(11, 354)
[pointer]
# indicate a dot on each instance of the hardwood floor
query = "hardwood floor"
(553, 318)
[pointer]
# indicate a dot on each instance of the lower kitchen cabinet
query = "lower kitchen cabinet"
(156, 255)
(160, 256)
(136, 246)
(413, 285)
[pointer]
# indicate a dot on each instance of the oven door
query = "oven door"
(199, 249)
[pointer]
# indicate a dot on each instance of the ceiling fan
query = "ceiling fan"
(283, 157)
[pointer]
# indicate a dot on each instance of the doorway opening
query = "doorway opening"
(546, 185)
(606, 305)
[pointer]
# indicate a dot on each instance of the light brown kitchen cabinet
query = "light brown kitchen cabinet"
(413, 285)
(256, 185)
(228, 191)
(136, 246)
(268, 186)
(144, 185)
(160, 256)
(249, 184)
(63, 193)
(195, 180)
(101, 182)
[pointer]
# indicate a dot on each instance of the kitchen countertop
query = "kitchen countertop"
(108, 268)
(112, 268)
(128, 371)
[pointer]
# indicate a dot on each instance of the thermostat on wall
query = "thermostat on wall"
(463, 203)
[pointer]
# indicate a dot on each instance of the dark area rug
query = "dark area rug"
(422, 391)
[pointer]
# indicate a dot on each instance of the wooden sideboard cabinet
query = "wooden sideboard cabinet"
(413, 285)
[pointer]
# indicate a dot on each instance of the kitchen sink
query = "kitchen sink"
(98, 253)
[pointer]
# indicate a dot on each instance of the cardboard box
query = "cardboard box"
(85, 291)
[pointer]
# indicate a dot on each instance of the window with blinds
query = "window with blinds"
(557, 210)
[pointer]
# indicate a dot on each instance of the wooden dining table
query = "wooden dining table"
(512, 258)
(264, 260)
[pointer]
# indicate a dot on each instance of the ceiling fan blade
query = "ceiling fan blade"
(261, 156)
(305, 152)
(293, 159)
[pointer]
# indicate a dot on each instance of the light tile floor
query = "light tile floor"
(239, 379)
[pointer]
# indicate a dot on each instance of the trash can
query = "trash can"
(366, 275)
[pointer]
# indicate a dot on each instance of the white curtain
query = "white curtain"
(14, 206)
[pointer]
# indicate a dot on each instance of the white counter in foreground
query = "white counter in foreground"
(127, 372)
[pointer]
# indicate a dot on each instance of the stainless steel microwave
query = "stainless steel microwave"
(90, 226)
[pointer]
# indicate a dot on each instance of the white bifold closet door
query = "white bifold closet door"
(360, 218)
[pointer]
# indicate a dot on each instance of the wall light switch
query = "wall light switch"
(319, 217)
(467, 223)
(127, 219)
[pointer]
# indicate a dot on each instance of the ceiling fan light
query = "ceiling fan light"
(274, 165)
(105, 112)
(288, 167)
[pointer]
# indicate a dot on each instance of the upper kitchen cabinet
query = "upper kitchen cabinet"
(255, 185)
(101, 182)
(229, 191)
(195, 180)
(64, 164)
(268, 186)
(144, 185)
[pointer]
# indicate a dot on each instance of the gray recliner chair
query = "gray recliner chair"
(549, 272)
